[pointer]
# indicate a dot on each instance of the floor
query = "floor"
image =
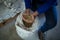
(8, 31)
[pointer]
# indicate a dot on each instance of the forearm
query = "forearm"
(43, 8)
(27, 4)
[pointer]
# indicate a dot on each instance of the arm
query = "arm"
(27, 4)
(45, 7)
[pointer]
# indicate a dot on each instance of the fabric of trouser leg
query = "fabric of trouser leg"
(51, 20)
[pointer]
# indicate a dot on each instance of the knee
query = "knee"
(55, 23)
(48, 25)
(52, 24)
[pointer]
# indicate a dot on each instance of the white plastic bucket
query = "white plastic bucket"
(29, 35)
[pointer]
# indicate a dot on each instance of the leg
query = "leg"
(51, 20)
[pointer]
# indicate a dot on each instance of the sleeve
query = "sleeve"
(45, 7)
(27, 3)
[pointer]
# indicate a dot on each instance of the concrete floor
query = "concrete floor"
(8, 32)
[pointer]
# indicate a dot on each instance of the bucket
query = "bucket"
(32, 33)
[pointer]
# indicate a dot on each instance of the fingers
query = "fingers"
(35, 13)
(27, 11)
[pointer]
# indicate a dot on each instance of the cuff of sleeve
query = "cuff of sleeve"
(40, 11)
(27, 7)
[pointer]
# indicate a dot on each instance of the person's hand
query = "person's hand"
(27, 11)
(35, 13)
(28, 18)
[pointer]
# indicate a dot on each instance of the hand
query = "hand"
(27, 11)
(28, 18)
(35, 14)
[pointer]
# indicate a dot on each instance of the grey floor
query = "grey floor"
(8, 32)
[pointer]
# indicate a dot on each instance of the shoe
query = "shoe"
(40, 34)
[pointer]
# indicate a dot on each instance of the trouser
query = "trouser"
(51, 19)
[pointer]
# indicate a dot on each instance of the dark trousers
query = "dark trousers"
(51, 19)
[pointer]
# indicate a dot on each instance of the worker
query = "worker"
(47, 7)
